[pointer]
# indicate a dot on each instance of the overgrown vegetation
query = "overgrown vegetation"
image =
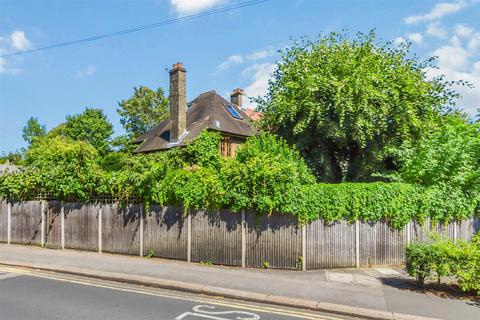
(349, 103)
(443, 258)
(266, 176)
(338, 110)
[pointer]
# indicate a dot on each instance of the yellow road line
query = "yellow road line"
(264, 309)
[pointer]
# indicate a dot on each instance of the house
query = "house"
(208, 111)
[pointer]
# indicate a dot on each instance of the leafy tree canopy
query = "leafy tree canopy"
(33, 130)
(142, 111)
(90, 126)
(448, 155)
(345, 103)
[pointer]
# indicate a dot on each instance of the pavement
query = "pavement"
(374, 293)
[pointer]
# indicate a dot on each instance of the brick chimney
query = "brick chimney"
(236, 97)
(178, 101)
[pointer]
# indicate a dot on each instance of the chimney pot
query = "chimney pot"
(236, 97)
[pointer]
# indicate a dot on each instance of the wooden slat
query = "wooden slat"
(26, 222)
(120, 226)
(330, 245)
(165, 232)
(275, 239)
(81, 226)
(217, 237)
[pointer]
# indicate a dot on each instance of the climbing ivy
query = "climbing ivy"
(266, 176)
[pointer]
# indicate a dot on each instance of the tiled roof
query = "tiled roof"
(207, 111)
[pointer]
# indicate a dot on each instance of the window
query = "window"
(233, 112)
(227, 148)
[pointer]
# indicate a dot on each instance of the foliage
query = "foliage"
(90, 126)
(443, 258)
(123, 143)
(33, 130)
(427, 260)
(265, 171)
(468, 272)
(142, 111)
(66, 169)
(448, 155)
(266, 176)
(346, 103)
(204, 151)
(15, 157)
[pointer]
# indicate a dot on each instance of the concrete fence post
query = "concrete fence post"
(42, 226)
(357, 243)
(100, 230)
(304, 247)
(244, 239)
(141, 230)
(62, 225)
(189, 236)
(9, 222)
(409, 230)
(455, 236)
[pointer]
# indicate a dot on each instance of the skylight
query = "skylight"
(233, 112)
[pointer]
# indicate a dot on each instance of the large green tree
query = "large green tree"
(33, 130)
(143, 110)
(448, 155)
(346, 103)
(91, 126)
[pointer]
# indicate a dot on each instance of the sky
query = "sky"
(220, 52)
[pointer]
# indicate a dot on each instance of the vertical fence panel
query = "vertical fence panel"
(217, 237)
(420, 232)
(166, 232)
(81, 226)
(53, 231)
(275, 239)
(121, 229)
(466, 229)
(330, 245)
(26, 222)
(381, 245)
(3, 220)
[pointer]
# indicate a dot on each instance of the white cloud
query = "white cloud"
(253, 56)
(259, 75)
(261, 54)
(85, 72)
(463, 31)
(234, 59)
(415, 37)
(474, 42)
(438, 11)
(437, 30)
(193, 6)
(19, 41)
(457, 62)
(16, 41)
(399, 40)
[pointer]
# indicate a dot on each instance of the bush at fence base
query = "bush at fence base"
(444, 258)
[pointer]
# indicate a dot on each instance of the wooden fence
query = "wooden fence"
(219, 237)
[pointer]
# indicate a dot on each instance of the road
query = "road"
(30, 294)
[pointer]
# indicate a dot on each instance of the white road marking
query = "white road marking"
(9, 275)
(198, 312)
(265, 309)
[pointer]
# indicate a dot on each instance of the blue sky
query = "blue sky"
(221, 52)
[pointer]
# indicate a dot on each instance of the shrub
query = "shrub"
(444, 258)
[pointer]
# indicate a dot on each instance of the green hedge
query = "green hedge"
(266, 176)
(460, 260)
